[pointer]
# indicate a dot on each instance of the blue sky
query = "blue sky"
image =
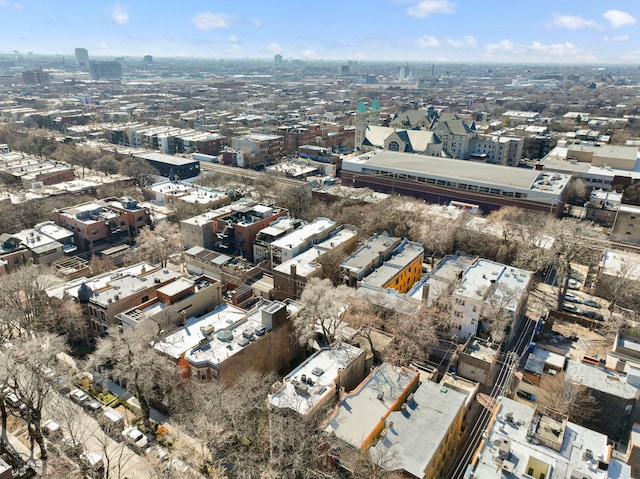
(559, 31)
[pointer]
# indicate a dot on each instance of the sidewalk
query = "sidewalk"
(23, 453)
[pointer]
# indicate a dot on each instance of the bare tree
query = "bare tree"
(157, 244)
(323, 307)
(567, 397)
(24, 370)
(24, 306)
(129, 356)
(141, 172)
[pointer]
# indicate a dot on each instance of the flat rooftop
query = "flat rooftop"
(302, 234)
(359, 412)
(447, 168)
(600, 379)
(126, 285)
(322, 368)
(168, 159)
(487, 280)
(369, 252)
(512, 430)
(426, 422)
(195, 331)
(305, 262)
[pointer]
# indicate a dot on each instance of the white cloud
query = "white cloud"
(274, 47)
(467, 41)
(538, 51)
(11, 6)
(233, 38)
(572, 22)
(426, 8)
(618, 18)
(120, 14)
(102, 45)
(619, 38)
(212, 21)
(256, 23)
(427, 41)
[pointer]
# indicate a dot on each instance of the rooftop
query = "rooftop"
(493, 176)
(358, 413)
(171, 160)
(516, 444)
(426, 421)
(320, 373)
(198, 330)
(298, 237)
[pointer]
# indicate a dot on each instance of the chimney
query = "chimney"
(425, 293)
(184, 317)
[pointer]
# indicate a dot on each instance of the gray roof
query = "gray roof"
(425, 422)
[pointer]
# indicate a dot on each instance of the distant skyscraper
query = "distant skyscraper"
(82, 57)
(105, 70)
(35, 77)
(147, 60)
(277, 58)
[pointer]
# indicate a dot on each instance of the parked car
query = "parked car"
(587, 313)
(591, 303)
(93, 464)
(573, 284)
(525, 395)
(572, 298)
(135, 437)
(92, 406)
(71, 445)
(51, 429)
(78, 396)
(571, 308)
(157, 452)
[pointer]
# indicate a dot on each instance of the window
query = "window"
(394, 146)
(94, 232)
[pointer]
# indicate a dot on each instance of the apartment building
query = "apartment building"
(100, 224)
(368, 257)
(291, 245)
(266, 236)
(226, 342)
(317, 382)
(174, 302)
(523, 441)
(263, 149)
(432, 418)
(290, 277)
(401, 271)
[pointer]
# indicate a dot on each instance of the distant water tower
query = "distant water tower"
(147, 60)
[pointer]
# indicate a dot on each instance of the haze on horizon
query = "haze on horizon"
(380, 30)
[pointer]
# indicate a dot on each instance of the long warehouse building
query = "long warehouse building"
(442, 180)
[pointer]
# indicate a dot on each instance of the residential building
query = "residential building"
(170, 192)
(483, 293)
(266, 236)
(105, 70)
(434, 419)
(626, 225)
(13, 254)
(318, 381)
(258, 149)
(232, 271)
(290, 277)
(174, 302)
(442, 180)
(360, 417)
(477, 360)
(291, 245)
(104, 296)
(368, 257)
(401, 271)
(632, 458)
(523, 442)
(100, 224)
(228, 341)
(35, 77)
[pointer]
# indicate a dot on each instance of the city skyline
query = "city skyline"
(401, 30)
